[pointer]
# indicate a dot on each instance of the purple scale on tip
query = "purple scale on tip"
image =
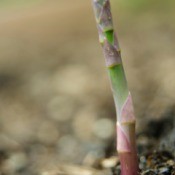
(112, 56)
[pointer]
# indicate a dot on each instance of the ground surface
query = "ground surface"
(56, 110)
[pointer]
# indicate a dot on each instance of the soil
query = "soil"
(57, 115)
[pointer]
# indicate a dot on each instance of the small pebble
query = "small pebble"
(15, 162)
(149, 172)
(164, 170)
(103, 128)
(110, 162)
(171, 162)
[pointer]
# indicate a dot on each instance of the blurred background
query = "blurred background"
(56, 105)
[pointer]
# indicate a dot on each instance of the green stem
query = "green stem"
(119, 86)
(126, 146)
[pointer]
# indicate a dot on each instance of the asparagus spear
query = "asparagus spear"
(125, 124)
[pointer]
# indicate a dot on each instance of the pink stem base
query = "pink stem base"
(129, 163)
(126, 147)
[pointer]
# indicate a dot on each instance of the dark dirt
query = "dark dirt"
(157, 135)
